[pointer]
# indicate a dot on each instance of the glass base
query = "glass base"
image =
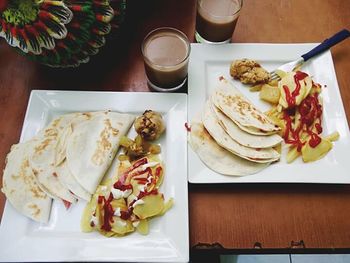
(157, 88)
(202, 40)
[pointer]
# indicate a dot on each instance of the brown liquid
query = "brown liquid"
(216, 20)
(166, 58)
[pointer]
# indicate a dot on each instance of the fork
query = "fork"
(325, 45)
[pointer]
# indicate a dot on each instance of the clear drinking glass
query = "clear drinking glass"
(216, 20)
(166, 53)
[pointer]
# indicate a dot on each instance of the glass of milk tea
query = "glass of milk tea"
(216, 20)
(166, 52)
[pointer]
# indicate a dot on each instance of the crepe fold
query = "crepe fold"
(216, 157)
(241, 111)
(20, 185)
(212, 125)
(88, 162)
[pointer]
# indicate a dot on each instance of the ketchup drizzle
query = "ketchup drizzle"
(121, 185)
(291, 97)
(310, 113)
(108, 212)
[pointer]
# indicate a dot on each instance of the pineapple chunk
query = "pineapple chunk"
(333, 136)
(311, 154)
(142, 227)
(270, 94)
(153, 205)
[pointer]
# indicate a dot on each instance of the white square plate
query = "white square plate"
(208, 63)
(22, 239)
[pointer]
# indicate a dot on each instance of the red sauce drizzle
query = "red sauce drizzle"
(291, 97)
(107, 207)
(122, 187)
(108, 212)
(188, 128)
(66, 203)
(126, 214)
(310, 113)
(137, 164)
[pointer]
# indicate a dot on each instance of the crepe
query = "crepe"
(217, 158)
(242, 137)
(68, 180)
(211, 123)
(42, 162)
(88, 162)
(21, 188)
(241, 111)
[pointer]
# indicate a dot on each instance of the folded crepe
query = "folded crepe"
(21, 188)
(242, 137)
(47, 157)
(241, 111)
(42, 162)
(211, 123)
(92, 146)
(68, 180)
(217, 158)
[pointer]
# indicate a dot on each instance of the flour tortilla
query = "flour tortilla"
(241, 111)
(21, 188)
(93, 145)
(42, 159)
(211, 124)
(217, 158)
(242, 137)
(68, 180)
(61, 128)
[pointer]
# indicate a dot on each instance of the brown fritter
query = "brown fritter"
(249, 71)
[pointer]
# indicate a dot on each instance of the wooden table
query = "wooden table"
(250, 218)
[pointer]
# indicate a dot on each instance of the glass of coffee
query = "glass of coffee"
(166, 53)
(216, 20)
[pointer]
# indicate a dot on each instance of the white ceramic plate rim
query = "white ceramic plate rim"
(22, 239)
(207, 62)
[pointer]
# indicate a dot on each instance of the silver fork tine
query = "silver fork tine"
(273, 75)
(286, 67)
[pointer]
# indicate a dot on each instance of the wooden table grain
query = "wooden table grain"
(236, 217)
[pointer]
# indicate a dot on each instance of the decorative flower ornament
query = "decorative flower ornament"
(59, 33)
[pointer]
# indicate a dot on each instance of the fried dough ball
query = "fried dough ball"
(249, 71)
(149, 125)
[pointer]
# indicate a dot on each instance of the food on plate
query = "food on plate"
(270, 93)
(249, 71)
(137, 148)
(41, 160)
(66, 177)
(225, 135)
(21, 188)
(212, 125)
(298, 112)
(217, 158)
(244, 138)
(92, 146)
(313, 153)
(149, 125)
(67, 158)
(241, 111)
(294, 88)
(125, 202)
